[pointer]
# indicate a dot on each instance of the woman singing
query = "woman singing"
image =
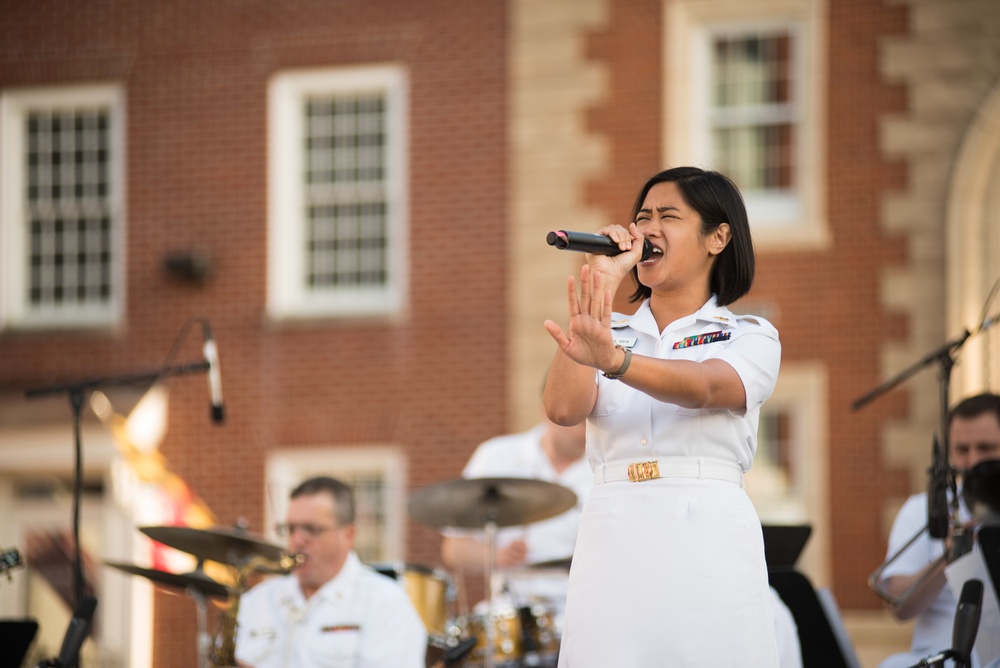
(669, 566)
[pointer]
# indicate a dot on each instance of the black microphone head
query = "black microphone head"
(555, 239)
(937, 493)
(970, 606)
(218, 414)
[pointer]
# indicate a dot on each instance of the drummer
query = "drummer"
(332, 609)
(547, 452)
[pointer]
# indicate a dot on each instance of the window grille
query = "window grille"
(68, 207)
(338, 220)
(753, 113)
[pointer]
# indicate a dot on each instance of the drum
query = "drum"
(505, 622)
(430, 590)
(540, 634)
(526, 635)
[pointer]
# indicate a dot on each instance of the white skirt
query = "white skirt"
(668, 572)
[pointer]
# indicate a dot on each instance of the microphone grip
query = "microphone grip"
(589, 242)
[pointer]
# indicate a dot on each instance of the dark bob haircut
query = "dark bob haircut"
(717, 200)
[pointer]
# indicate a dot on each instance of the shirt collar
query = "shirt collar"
(337, 590)
(643, 321)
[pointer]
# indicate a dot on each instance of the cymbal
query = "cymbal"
(222, 544)
(552, 564)
(472, 502)
(196, 580)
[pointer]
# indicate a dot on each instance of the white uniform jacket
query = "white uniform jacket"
(359, 619)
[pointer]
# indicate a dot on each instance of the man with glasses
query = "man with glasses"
(332, 610)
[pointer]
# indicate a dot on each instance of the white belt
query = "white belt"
(669, 467)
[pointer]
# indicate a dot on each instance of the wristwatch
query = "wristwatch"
(620, 371)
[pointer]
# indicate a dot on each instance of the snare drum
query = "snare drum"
(505, 622)
(540, 633)
(430, 590)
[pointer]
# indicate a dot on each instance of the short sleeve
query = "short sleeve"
(911, 519)
(755, 354)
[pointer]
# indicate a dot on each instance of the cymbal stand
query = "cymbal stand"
(490, 530)
(204, 637)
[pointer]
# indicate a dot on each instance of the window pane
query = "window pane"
(67, 195)
(346, 202)
(753, 115)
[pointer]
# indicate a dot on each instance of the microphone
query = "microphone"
(963, 635)
(937, 496)
(77, 632)
(587, 242)
(211, 352)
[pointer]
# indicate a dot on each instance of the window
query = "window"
(788, 480)
(744, 96)
(61, 218)
(377, 476)
(753, 117)
(337, 222)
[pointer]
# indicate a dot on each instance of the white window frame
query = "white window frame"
(796, 222)
(15, 105)
(286, 468)
(287, 296)
(801, 392)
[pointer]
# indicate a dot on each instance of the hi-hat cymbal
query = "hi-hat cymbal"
(222, 544)
(552, 564)
(473, 502)
(195, 580)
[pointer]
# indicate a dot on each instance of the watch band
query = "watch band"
(620, 371)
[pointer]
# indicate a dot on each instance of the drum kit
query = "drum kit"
(506, 634)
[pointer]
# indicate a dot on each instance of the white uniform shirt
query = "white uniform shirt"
(626, 423)
(521, 456)
(359, 619)
(932, 631)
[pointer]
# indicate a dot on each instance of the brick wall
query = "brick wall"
(195, 76)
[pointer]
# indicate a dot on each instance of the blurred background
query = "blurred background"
(351, 199)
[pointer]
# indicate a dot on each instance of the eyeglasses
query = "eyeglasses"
(311, 530)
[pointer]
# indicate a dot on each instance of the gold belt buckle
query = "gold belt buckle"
(639, 471)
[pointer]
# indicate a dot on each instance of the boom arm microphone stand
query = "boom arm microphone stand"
(76, 391)
(944, 357)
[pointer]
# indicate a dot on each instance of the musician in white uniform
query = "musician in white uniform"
(973, 437)
(333, 610)
(669, 564)
(547, 452)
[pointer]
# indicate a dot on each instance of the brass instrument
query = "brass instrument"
(223, 652)
(875, 579)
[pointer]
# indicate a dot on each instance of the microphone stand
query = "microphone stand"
(75, 392)
(944, 357)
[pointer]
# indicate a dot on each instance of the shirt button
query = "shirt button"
(643, 441)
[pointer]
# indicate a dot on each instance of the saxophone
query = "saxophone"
(223, 652)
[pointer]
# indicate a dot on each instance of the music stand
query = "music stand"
(16, 636)
(989, 543)
(783, 543)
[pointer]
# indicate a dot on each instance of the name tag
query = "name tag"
(625, 341)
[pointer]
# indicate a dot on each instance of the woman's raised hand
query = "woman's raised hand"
(588, 340)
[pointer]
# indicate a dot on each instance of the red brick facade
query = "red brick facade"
(195, 75)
